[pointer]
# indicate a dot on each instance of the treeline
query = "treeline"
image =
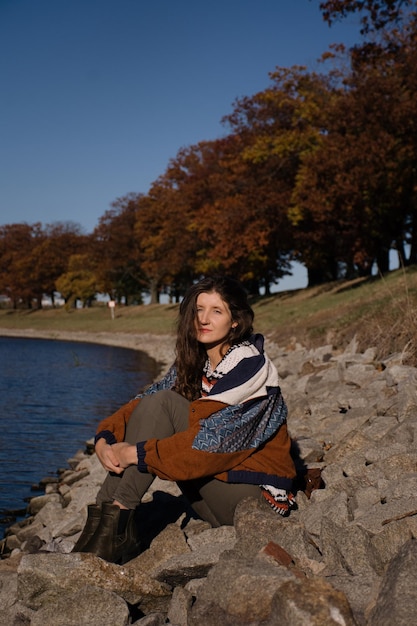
(319, 168)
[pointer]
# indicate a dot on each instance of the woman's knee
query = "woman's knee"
(169, 406)
(159, 415)
(167, 397)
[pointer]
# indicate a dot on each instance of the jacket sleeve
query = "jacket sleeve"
(174, 458)
(113, 428)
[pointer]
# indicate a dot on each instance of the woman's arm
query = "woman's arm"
(174, 458)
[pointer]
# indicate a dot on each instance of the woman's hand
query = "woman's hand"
(125, 453)
(107, 457)
(116, 457)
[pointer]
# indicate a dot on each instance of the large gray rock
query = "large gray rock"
(43, 578)
(90, 605)
(239, 592)
(397, 599)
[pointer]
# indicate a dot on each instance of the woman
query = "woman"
(215, 424)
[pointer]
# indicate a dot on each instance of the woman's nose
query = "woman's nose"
(203, 317)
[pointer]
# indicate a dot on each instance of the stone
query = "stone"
(153, 619)
(42, 578)
(38, 502)
(170, 542)
(397, 599)
(348, 549)
(178, 570)
(89, 605)
(238, 591)
(312, 602)
(180, 606)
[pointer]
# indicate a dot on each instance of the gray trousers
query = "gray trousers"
(161, 415)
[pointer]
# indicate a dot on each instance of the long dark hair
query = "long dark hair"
(190, 354)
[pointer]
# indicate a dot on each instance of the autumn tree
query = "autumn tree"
(343, 202)
(17, 242)
(362, 181)
(286, 123)
(167, 245)
(51, 254)
(374, 14)
(78, 283)
(399, 69)
(213, 211)
(115, 251)
(238, 222)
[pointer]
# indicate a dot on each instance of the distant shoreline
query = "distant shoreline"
(158, 347)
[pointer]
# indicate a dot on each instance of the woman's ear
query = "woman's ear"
(234, 325)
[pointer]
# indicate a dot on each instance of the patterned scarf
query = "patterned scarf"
(247, 381)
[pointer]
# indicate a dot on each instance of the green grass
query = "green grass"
(157, 319)
(379, 312)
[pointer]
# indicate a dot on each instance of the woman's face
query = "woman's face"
(214, 320)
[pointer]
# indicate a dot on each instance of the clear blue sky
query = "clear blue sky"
(98, 95)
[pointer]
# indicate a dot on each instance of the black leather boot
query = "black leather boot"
(93, 519)
(108, 543)
(127, 544)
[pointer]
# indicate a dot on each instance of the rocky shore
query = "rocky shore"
(346, 556)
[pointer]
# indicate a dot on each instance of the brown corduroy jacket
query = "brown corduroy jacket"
(175, 459)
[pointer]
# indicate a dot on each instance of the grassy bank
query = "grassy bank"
(379, 312)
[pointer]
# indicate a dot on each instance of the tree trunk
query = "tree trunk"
(382, 260)
(154, 291)
(326, 273)
(402, 261)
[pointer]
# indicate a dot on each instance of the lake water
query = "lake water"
(52, 396)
